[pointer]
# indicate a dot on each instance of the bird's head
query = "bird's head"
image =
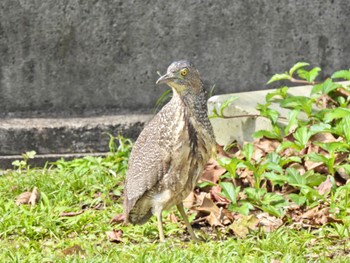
(183, 77)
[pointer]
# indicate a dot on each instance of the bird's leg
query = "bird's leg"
(180, 207)
(160, 225)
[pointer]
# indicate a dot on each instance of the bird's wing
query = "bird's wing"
(148, 163)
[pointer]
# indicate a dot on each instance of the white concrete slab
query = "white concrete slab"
(241, 128)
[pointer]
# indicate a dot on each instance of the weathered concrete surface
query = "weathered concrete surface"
(240, 129)
(84, 58)
(74, 135)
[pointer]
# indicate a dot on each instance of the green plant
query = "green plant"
(314, 134)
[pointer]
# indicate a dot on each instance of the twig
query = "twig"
(244, 116)
(301, 81)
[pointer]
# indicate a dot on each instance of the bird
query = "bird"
(171, 152)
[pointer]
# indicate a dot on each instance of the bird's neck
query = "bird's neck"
(195, 104)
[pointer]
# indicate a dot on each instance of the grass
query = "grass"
(39, 234)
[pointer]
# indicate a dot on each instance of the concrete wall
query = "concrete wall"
(92, 57)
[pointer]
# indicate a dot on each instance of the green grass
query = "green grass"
(40, 234)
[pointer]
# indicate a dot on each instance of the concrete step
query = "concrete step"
(56, 137)
(241, 129)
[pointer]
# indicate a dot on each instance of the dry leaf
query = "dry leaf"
(299, 167)
(76, 249)
(216, 197)
(212, 171)
(323, 137)
(23, 198)
(325, 187)
(115, 235)
(243, 224)
(28, 197)
(117, 219)
(206, 204)
(34, 197)
(72, 213)
(213, 220)
(172, 218)
(189, 201)
(264, 146)
(269, 223)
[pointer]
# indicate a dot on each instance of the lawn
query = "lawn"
(282, 198)
(78, 199)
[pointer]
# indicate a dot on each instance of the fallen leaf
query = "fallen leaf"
(212, 171)
(72, 213)
(323, 137)
(115, 236)
(241, 226)
(76, 249)
(117, 219)
(29, 197)
(299, 167)
(23, 198)
(325, 187)
(172, 218)
(216, 197)
(189, 201)
(269, 223)
(343, 173)
(264, 146)
(213, 220)
(206, 204)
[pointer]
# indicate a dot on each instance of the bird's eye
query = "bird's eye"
(184, 72)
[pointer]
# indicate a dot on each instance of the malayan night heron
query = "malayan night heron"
(171, 152)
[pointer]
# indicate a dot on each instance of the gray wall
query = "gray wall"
(83, 58)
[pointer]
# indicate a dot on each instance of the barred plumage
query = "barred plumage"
(171, 152)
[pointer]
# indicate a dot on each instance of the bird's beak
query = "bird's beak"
(165, 79)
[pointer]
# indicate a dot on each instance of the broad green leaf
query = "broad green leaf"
(273, 157)
(314, 179)
(255, 194)
(341, 74)
(336, 114)
(294, 177)
(229, 164)
(267, 134)
(248, 150)
(309, 76)
(292, 121)
(268, 112)
(281, 92)
(331, 147)
(272, 115)
(274, 167)
(279, 212)
(298, 199)
(345, 127)
(297, 66)
(316, 157)
(298, 103)
(302, 136)
(243, 209)
(320, 127)
(275, 178)
(277, 77)
(205, 184)
(287, 144)
(229, 191)
(290, 159)
(325, 88)
(226, 104)
(275, 200)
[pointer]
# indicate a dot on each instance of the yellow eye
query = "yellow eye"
(184, 72)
